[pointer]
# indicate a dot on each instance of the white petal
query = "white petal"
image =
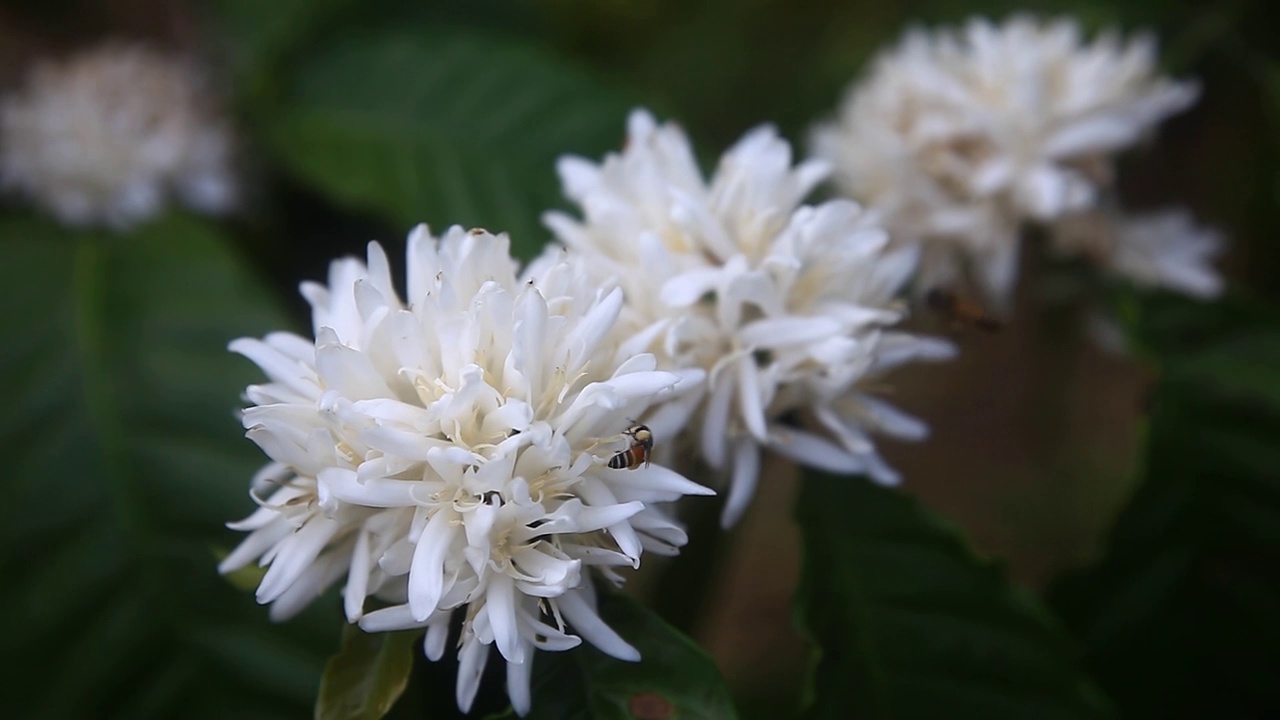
(599, 496)
(750, 392)
(637, 363)
(880, 472)
(296, 554)
(742, 486)
(656, 479)
(343, 485)
(253, 546)
(715, 423)
(604, 512)
(814, 452)
(471, 662)
(426, 575)
(317, 578)
(643, 384)
(518, 675)
(547, 575)
(688, 288)
(588, 624)
(390, 619)
(782, 331)
(437, 636)
(892, 421)
(500, 604)
(357, 578)
(896, 349)
(379, 270)
(577, 175)
(350, 372)
(551, 638)
(593, 328)
(281, 368)
(407, 444)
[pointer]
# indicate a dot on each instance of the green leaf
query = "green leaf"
(673, 679)
(124, 460)
(1229, 348)
(255, 33)
(908, 623)
(366, 677)
(1179, 618)
(446, 126)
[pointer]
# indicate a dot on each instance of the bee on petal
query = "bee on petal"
(638, 452)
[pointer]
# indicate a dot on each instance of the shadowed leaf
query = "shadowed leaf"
(125, 459)
(1179, 618)
(908, 623)
(367, 675)
(444, 126)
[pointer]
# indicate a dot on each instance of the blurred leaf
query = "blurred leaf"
(674, 678)
(1229, 349)
(125, 459)
(446, 126)
(909, 624)
(255, 33)
(366, 677)
(1180, 617)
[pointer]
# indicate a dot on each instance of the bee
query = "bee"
(961, 310)
(638, 452)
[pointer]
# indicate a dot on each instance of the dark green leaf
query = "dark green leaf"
(1180, 616)
(256, 33)
(446, 126)
(366, 677)
(908, 623)
(124, 460)
(1227, 350)
(674, 679)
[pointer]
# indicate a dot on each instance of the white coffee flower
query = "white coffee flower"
(1160, 249)
(450, 453)
(961, 136)
(107, 136)
(784, 306)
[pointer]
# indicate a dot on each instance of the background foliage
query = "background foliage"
(363, 118)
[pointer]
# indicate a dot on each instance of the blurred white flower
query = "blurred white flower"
(961, 136)
(784, 306)
(1161, 249)
(107, 136)
(449, 453)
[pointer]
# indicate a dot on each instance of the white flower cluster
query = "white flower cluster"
(467, 454)
(456, 454)
(786, 307)
(107, 136)
(961, 137)
(450, 452)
